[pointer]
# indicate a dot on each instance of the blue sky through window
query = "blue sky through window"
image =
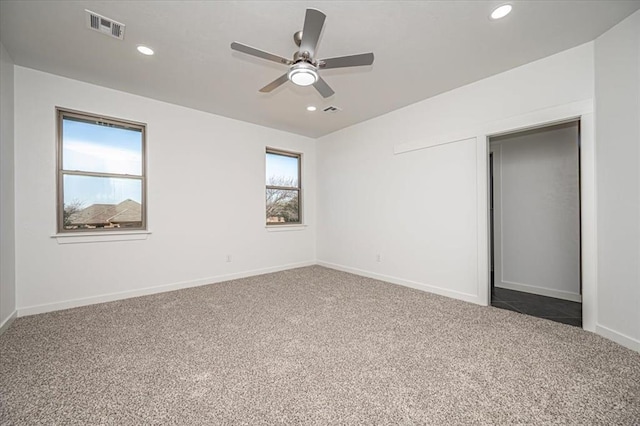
(90, 147)
(281, 166)
(96, 148)
(88, 190)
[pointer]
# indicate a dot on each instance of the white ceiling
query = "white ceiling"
(421, 48)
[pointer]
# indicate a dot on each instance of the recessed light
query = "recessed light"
(311, 108)
(145, 50)
(501, 11)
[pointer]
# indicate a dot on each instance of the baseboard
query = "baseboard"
(624, 340)
(541, 291)
(68, 304)
(6, 323)
(472, 298)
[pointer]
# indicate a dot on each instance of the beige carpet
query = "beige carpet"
(309, 346)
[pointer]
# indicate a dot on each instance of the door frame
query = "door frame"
(496, 246)
(582, 111)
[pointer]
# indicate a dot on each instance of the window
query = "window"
(101, 173)
(283, 188)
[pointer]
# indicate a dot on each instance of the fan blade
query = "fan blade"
(275, 83)
(313, 23)
(259, 53)
(322, 87)
(346, 61)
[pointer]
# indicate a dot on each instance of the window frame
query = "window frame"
(298, 156)
(61, 114)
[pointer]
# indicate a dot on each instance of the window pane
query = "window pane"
(91, 147)
(283, 206)
(102, 202)
(282, 170)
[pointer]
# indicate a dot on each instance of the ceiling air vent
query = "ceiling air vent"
(104, 25)
(331, 109)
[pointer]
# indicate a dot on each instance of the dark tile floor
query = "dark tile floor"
(549, 308)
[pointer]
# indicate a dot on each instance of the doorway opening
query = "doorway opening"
(535, 222)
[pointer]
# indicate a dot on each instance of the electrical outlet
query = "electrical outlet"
(228, 258)
(378, 258)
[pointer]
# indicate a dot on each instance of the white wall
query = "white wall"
(206, 177)
(420, 210)
(617, 85)
(7, 223)
(537, 211)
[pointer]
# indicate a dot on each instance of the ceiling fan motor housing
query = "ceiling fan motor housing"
(303, 56)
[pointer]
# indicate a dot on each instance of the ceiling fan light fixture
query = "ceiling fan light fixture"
(303, 74)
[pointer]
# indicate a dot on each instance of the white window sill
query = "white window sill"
(284, 228)
(97, 237)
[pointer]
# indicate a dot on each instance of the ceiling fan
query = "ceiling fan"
(304, 67)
